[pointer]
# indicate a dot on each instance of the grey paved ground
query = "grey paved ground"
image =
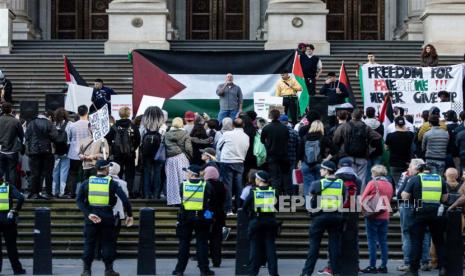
(165, 266)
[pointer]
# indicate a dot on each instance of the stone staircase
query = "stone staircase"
(36, 67)
(67, 232)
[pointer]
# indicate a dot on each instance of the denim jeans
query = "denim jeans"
(377, 235)
(371, 162)
(232, 178)
(227, 113)
(152, 178)
(309, 174)
(60, 174)
(436, 166)
(360, 167)
(406, 218)
(8, 164)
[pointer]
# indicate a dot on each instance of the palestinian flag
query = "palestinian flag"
(71, 74)
(298, 73)
(188, 80)
(386, 115)
(344, 79)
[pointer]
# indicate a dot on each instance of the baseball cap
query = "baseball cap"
(102, 164)
(209, 151)
(263, 176)
(329, 165)
(189, 116)
(434, 111)
(283, 118)
(399, 121)
(345, 162)
(193, 169)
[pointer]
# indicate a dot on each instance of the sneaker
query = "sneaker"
(403, 267)
(229, 214)
(111, 272)
(226, 232)
(425, 267)
(370, 270)
(325, 271)
(382, 269)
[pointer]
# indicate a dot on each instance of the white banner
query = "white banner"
(413, 88)
(78, 95)
(119, 101)
(100, 123)
(262, 102)
(148, 101)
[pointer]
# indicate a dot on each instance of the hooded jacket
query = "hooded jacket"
(178, 141)
(40, 134)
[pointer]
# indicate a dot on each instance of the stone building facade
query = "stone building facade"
(128, 24)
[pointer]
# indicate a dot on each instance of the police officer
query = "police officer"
(426, 191)
(96, 198)
(260, 205)
(330, 193)
(8, 227)
(194, 214)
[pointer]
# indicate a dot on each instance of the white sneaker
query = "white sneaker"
(230, 213)
(403, 267)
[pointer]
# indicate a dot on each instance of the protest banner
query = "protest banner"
(413, 88)
(262, 102)
(76, 96)
(100, 123)
(119, 101)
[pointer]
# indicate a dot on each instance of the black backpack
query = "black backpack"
(61, 141)
(123, 143)
(150, 143)
(355, 142)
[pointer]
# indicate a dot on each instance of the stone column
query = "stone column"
(136, 24)
(413, 26)
(443, 22)
(292, 21)
(22, 25)
(6, 27)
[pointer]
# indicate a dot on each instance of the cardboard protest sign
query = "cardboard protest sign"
(413, 88)
(100, 123)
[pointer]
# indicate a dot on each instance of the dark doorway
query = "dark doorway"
(217, 19)
(355, 20)
(80, 19)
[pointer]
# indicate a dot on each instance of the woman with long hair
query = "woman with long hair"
(178, 151)
(62, 161)
(429, 56)
(199, 139)
(152, 121)
(314, 148)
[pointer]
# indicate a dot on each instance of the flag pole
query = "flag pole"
(342, 66)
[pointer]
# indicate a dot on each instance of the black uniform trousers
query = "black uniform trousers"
(104, 233)
(216, 238)
(423, 219)
(262, 235)
(10, 233)
(331, 222)
(186, 225)
(290, 107)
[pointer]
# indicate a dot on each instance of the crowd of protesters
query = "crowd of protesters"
(49, 156)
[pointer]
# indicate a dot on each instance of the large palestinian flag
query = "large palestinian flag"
(188, 80)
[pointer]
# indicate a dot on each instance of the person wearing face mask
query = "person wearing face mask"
(312, 67)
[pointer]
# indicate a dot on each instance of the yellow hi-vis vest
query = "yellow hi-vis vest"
(4, 197)
(431, 188)
(331, 194)
(192, 195)
(264, 200)
(99, 191)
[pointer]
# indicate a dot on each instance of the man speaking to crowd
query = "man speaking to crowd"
(230, 98)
